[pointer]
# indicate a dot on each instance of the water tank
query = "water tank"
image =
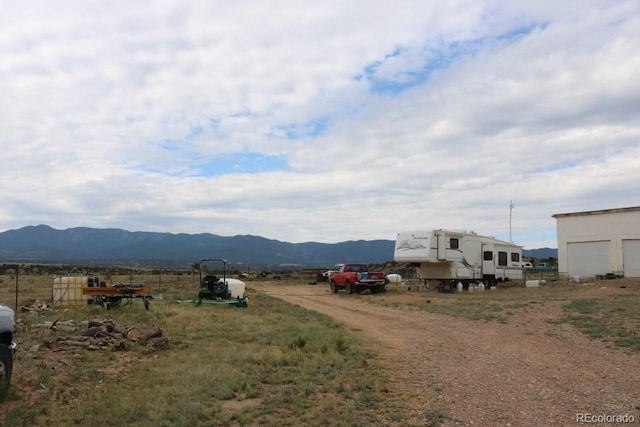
(394, 278)
(236, 288)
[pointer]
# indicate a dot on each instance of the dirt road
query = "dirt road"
(527, 372)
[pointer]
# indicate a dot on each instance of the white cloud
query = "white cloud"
(391, 116)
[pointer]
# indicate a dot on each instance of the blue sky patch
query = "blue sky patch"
(520, 32)
(437, 59)
(243, 163)
(310, 129)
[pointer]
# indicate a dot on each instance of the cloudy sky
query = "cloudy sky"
(326, 121)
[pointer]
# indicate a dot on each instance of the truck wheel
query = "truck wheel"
(333, 287)
(6, 365)
(347, 286)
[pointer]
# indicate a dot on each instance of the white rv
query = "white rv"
(450, 257)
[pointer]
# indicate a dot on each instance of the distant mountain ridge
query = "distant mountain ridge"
(44, 244)
(541, 253)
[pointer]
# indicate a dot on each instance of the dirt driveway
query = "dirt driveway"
(527, 372)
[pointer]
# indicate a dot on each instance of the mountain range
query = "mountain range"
(44, 244)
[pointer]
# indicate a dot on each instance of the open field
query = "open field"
(514, 356)
(269, 364)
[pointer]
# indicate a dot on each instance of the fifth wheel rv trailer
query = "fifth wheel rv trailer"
(451, 257)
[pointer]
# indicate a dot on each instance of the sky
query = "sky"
(327, 121)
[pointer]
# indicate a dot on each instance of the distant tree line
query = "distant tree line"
(102, 270)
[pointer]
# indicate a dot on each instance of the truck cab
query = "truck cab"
(356, 278)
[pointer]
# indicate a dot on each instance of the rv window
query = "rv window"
(487, 256)
(515, 257)
(453, 243)
(502, 258)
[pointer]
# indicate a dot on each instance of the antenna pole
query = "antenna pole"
(510, 216)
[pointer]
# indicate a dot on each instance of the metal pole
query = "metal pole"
(510, 215)
(17, 273)
(224, 267)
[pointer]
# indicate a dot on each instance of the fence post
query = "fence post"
(17, 274)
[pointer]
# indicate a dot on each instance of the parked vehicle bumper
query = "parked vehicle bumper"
(371, 283)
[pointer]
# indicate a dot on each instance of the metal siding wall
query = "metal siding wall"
(614, 226)
(631, 257)
(589, 258)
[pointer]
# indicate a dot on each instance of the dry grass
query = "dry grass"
(269, 364)
(605, 309)
(272, 363)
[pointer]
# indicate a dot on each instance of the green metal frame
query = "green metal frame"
(236, 302)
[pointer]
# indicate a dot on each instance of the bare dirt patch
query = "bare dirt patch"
(526, 371)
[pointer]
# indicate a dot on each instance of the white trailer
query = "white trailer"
(451, 257)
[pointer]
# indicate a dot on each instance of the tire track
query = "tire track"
(486, 373)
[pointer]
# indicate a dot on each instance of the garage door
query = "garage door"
(631, 257)
(588, 258)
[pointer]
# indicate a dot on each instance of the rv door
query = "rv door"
(488, 262)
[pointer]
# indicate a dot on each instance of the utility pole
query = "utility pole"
(510, 216)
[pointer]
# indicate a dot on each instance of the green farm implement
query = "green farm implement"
(221, 291)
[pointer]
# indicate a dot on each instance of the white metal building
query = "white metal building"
(599, 242)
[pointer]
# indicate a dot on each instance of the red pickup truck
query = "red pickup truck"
(356, 277)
